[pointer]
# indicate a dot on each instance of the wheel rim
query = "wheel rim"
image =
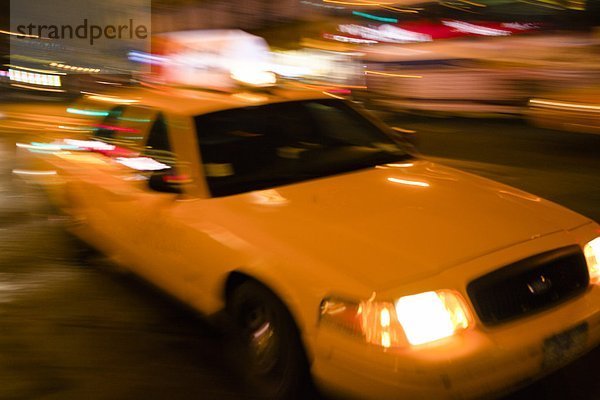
(262, 340)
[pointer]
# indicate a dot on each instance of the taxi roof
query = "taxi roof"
(199, 101)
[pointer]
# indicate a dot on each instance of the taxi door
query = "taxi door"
(107, 185)
(154, 227)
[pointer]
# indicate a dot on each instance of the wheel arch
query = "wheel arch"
(289, 298)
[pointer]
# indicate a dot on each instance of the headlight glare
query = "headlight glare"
(592, 257)
(431, 316)
(414, 320)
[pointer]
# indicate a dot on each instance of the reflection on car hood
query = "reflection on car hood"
(395, 222)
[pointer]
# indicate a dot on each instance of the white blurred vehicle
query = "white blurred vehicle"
(491, 75)
(208, 58)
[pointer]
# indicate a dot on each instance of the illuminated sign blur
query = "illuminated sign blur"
(34, 78)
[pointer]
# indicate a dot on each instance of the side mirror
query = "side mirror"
(168, 181)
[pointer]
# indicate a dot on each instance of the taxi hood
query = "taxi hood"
(395, 222)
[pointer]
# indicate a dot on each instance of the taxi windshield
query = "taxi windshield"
(265, 146)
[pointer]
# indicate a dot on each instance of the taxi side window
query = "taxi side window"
(107, 129)
(158, 146)
(158, 138)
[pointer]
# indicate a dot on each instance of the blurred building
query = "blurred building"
(179, 15)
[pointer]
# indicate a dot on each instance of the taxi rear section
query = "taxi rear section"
(516, 338)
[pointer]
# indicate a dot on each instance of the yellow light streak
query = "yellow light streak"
(473, 3)
(402, 10)
(18, 34)
(402, 130)
(110, 99)
(334, 96)
(37, 88)
(564, 104)
(534, 3)
(360, 3)
(393, 75)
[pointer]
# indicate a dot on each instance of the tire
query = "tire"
(266, 345)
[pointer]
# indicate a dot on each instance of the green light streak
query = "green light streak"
(134, 119)
(375, 17)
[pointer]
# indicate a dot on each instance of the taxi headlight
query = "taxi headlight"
(592, 257)
(414, 320)
(431, 316)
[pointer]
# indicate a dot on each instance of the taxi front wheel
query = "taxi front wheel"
(266, 345)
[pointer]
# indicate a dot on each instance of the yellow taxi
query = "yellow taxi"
(335, 255)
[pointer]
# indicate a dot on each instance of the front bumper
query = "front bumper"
(479, 363)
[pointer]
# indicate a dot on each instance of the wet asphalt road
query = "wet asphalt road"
(71, 327)
(560, 166)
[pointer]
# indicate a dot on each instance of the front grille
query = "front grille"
(530, 285)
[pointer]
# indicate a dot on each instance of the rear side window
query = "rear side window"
(158, 146)
(107, 129)
(158, 137)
